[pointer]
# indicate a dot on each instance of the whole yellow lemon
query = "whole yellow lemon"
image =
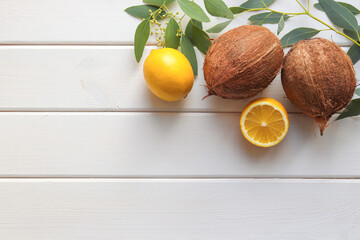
(168, 74)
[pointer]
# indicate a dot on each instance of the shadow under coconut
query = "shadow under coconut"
(231, 105)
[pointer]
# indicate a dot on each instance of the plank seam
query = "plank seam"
(179, 178)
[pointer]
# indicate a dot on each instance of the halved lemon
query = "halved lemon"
(264, 122)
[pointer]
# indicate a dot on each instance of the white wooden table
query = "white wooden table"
(87, 152)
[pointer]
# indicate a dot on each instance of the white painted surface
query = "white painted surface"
(169, 145)
(147, 139)
(98, 78)
(105, 22)
(101, 78)
(180, 209)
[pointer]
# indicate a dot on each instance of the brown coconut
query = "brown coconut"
(242, 62)
(319, 78)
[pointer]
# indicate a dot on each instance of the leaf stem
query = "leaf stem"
(284, 13)
(182, 17)
(263, 3)
(251, 10)
(271, 10)
(332, 28)
(302, 6)
(180, 25)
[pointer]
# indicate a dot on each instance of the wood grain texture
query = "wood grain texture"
(169, 145)
(98, 78)
(179, 209)
(105, 22)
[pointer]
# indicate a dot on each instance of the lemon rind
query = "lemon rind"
(242, 124)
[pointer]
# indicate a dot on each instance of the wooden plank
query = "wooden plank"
(105, 22)
(179, 209)
(97, 78)
(169, 145)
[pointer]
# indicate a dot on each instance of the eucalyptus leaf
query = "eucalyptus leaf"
(196, 23)
(189, 29)
(193, 10)
(141, 36)
(354, 35)
(237, 10)
(298, 34)
(171, 38)
(158, 2)
(339, 14)
(354, 53)
(218, 8)
(201, 39)
(352, 9)
(281, 25)
(353, 109)
(256, 3)
(357, 91)
(141, 11)
(188, 50)
(268, 17)
(219, 27)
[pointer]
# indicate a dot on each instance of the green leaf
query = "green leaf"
(352, 9)
(171, 40)
(189, 29)
(357, 91)
(218, 8)
(354, 35)
(158, 2)
(268, 17)
(354, 53)
(298, 34)
(236, 10)
(141, 36)
(188, 50)
(141, 11)
(219, 27)
(281, 25)
(193, 10)
(201, 39)
(353, 109)
(257, 23)
(339, 14)
(318, 6)
(256, 3)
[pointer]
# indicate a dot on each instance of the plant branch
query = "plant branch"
(265, 8)
(251, 10)
(332, 28)
(284, 13)
(301, 6)
(263, 3)
(271, 10)
(315, 18)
